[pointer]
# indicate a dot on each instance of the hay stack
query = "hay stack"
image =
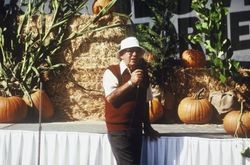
(190, 80)
(77, 92)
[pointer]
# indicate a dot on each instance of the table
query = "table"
(21, 147)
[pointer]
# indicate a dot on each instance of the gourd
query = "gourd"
(193, 58)
(39, 97)
(195, 110)
(237, 122)
(98, 5)
(12, 109)
(155, 110)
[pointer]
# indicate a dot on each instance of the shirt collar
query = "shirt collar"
(123, 67)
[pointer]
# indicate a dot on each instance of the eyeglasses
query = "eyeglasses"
(132, 50)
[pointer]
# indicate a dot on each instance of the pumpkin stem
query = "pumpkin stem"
(197, 95)
(239, 119)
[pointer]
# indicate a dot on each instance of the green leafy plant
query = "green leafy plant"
(160, 40)
(31, 35)
(210, 31)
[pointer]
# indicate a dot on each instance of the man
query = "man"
(127, 92)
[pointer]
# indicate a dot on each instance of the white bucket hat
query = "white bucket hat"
(129, 42)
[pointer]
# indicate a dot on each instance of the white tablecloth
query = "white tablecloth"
(76, 148)
(194, 151)
(57, 148)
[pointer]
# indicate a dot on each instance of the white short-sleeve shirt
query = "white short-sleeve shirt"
(110, 82)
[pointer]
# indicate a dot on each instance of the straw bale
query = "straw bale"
(190, 80)
(77, 92)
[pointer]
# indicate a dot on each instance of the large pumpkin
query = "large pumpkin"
(98, 5)
(237, 123)
(155, 110)
(12, 109)
(193, 58)
(41, 98)
(195, 110)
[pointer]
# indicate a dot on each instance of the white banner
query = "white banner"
(238, 24)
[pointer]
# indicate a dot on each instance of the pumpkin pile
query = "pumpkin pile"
(14, 109)
(193, 58)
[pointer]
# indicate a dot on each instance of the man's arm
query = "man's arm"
(118, 92)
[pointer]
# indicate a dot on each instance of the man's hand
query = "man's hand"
(136, 76)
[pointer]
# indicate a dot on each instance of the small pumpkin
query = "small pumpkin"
(40, 97)
(195, 110)
(237, 122)
(12, 109)
(193, 58)
(155, 110)
(149, 57)
(98, 5)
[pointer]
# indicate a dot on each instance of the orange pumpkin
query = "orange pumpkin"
(40, 97)
(195, 110)
(149, 57)
(237, 123)
(193, 58)
(98, 5)
(12, 109)
(155, 110)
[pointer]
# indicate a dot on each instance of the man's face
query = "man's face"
(130, 56)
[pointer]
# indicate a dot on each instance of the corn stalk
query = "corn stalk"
(210, 33)
(25, 54)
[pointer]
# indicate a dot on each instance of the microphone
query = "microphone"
(141, 64)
